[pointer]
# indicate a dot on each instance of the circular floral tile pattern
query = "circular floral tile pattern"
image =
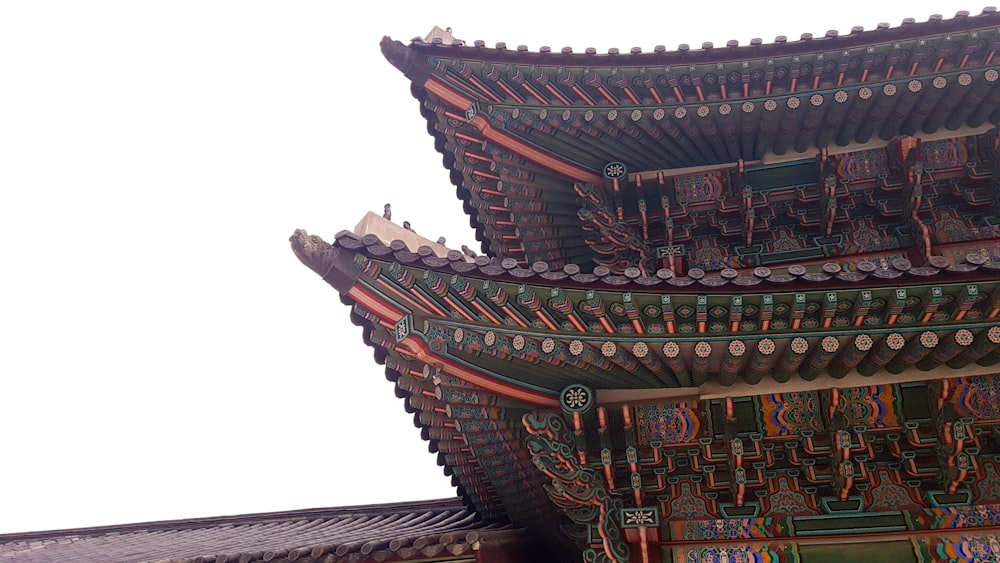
(609, 349)
(671, 349)
(994, 334)
(640, 350)
(963, 337)
(928, 339)
(895, 341)
(702, 349)
(863, 342)
(830, 344)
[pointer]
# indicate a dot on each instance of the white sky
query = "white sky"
(162, 352)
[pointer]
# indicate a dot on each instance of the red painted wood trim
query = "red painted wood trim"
(419, 349)
(540, 157)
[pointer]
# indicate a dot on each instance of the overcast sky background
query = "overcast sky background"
(163, 354)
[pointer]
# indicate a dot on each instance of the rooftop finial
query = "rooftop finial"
(442, 36)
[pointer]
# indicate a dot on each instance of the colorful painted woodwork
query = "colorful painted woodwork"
(736, 304)
(726, 153)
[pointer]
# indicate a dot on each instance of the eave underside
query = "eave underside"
(837, 416)
(493, 113)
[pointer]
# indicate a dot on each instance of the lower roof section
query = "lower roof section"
(412, 531)
(781, 430)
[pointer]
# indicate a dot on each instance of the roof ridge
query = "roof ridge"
(907, 26)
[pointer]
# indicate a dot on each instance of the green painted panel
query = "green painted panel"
(816, 525)
(897, 551)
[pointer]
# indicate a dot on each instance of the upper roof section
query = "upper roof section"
(616, 159)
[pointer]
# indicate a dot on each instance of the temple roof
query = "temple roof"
(474, 348)
(617, 333)
(729, 294)
(582, 157)
(421, 530)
